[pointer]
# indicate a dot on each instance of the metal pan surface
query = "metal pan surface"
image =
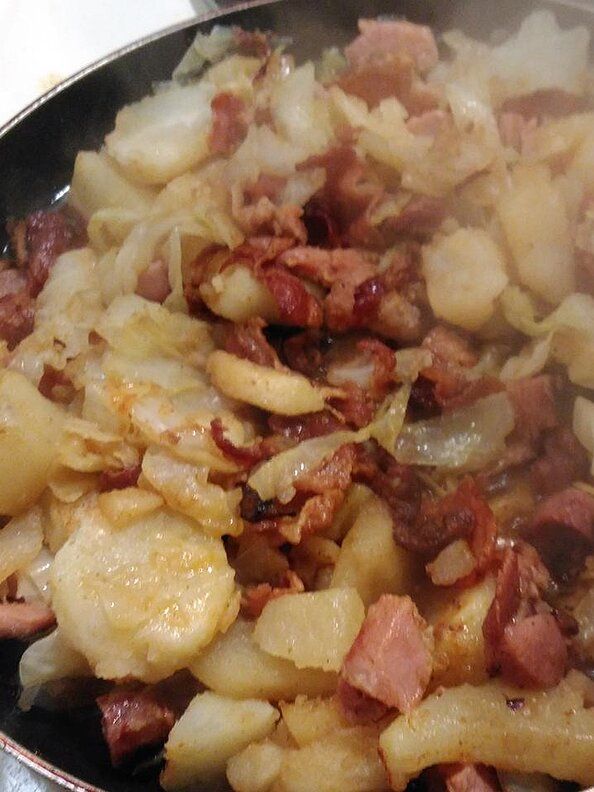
(37, 152)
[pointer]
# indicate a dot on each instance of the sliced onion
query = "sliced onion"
(455, 562)
(467, 439)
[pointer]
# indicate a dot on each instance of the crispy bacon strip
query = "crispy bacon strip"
(296, 305)
(248, 341)
(255, 598)
(119, 479)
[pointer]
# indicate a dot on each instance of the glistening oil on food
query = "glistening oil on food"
(297, 425)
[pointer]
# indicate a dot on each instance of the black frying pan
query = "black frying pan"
(37, 151)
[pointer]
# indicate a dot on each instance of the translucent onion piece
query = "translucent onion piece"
(467, 439)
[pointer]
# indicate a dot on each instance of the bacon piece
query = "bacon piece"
(316, 515)
(49, 234)
(355, 405)
(296, 305)
(553, 102)
(255, 598)
(56, 385)
(358, 707)
(303, 353)
(153, 282)
(379, 38)
(266, 186)
(562, 530)
(450, 347)
(460, 777)
(265, 217)
(248, 341)
(366, 303)
(304, 427)
(563, 461)
(23, 620)
(384, 363)
(17, 317)
(229, 123)
(391, 657)
(253, 43)
(140, 717)
(532, 652)
(533, 399)
(420, 218)
(350, 192)
(334, 473)
(398, 318)
(119, 479)
(328, 266)
(244, 456)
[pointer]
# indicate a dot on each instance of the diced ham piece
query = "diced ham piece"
(468, 778)
(391, 657)
(153, 282)
(357, 706)
(229, 123)
(532, 652)
(562, 530)
(24, 619)
(380, 38)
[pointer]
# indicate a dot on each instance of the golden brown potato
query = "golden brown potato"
(31, 432)
(550, 732)
(234, 665)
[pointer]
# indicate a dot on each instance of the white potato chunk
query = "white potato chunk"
(97, 183)
(235, 665)
(535, 223)
(310, 719)
(209, 733)
(31, 428)
(465, 272)
(255, 768)
(163, 135)
(282, 392)
(346, 760)
(312, 629)
(236, 294)
(121, 507)
(551, 733)
(370, 560)
(20, 542)
(457, 619)
(143, 599)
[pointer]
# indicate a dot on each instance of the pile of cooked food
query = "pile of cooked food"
(297, 424)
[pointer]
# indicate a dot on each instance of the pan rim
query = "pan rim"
(8, 745)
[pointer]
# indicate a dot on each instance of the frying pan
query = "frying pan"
(37, 151)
